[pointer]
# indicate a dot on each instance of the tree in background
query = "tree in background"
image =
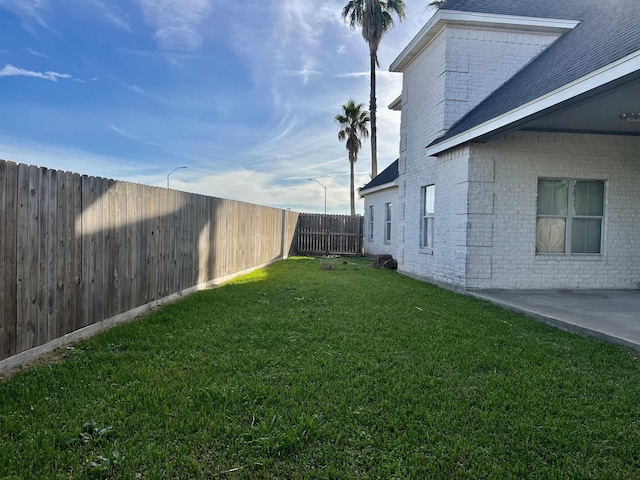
(353, 122)
(375, 17)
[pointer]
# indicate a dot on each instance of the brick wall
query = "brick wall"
(479, 61)
(459, 68)
(377, 245)
(501, 238)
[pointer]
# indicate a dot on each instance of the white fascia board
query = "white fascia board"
(598, 78)
(378, 188)
(396, 104)
(510, 20)
(420, 41)
(444, 17)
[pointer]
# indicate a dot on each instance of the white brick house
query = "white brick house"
(519, 159)
(381, 212)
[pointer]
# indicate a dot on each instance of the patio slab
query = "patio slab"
(610, 315)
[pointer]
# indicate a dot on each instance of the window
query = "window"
(570, 216)
(370, 223)
(426, 228)
(387, 222)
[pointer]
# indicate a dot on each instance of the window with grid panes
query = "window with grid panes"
(570, 216)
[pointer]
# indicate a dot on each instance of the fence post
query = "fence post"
(359, 237)
(327, 234)
(283, 233)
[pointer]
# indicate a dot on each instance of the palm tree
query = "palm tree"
(353, 121)
(376, 18)
(437, 4)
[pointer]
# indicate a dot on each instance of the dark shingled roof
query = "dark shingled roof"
(609, 30)
(388, 175)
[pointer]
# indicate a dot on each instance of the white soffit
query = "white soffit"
(378, 188)
(396, 104)
(598, 78)
(486, 20)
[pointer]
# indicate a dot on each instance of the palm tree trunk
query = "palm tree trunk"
(353, 188)
(372, 113)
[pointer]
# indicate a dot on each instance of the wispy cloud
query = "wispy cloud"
(352, 75)
(11, 71)
(177, 24)
(62, 157)
(305, 73)
(29, 11)
(379, 74)
(134, 88)
(258, 142)
(37, 54)
(33, 12)
(105, 11)
(130, 136)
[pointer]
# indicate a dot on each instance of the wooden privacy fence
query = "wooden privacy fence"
(77, 250)
(330, 234)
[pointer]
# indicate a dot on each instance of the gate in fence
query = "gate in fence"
(320, 234)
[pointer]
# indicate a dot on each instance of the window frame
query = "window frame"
(387, 222)
(371, 223)
(570, 216)
(426, 243)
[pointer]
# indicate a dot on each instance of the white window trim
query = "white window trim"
(424, 215)
(568, 240)
(370, 223)
(387, 221)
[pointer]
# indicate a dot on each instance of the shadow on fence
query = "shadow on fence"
(77, 250)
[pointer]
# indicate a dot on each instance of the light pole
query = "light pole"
(177, 168)
(325, 192)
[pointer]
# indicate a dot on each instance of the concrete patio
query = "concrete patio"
(610, 315)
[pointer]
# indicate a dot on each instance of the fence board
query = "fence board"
(91, 216)
(158, 270)
(76, 250)
(63, 319)
(42, 285)
(175, 242)
(22, 262)
(73, 241)
(32, 255)
(103, 242)
(85, 233)
(3, 241)
(113, 262)
(51, 263)
(140, 257)
(121, 220)
(329, 234)
(163, 256)
(11, 260)
(130, 246)
(28, 256)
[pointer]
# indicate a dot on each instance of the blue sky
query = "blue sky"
(243, 93)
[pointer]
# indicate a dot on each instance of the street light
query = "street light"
(325, 192)
(177, 168)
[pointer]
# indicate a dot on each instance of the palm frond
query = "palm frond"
(353, 13)
(436, 4)
(353, 121)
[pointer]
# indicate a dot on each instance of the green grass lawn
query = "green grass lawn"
(300, 371)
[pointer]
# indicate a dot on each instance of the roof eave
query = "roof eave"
(378, 188)
(444, 17)
(598, 78)
(396, 105)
